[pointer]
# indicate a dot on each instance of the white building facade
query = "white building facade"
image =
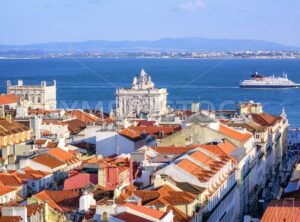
(142, 97)
(41, 96)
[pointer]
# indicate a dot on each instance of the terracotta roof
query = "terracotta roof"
(80, 180)
(48, 161)
(10, 218)
(75, 125)
(27, 173)
(60, 154)
(62, 200)
(221, 149)
(40, 142)
(32, 209)
(10, 180)
(146, 210)
(282, 210)
(131, 134)
(237, 135)
(265, 119)
(7, 99)
(41, 111)
(8, 128)
(145, 123)
(87, 118)
(4, 190)
(155, 131)
(52, 144)
(129, 217)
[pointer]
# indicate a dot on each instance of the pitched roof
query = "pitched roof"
(30, 174)
(129, 217)
(8, 128)
(62, 200)
(75, 125)
(146, 210)
(80, 180)
(10, 218)
(85, 117)
(282, 210)
(235, 134)
(131, 134)
(32, 209)
(48, 161)
(221, 149)
(265, 119)
(5, 189)
(10, 180)
(155, 131)
(7, 99)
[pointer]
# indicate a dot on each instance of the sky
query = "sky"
(37, 21)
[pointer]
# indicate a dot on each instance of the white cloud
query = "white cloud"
(192, 6)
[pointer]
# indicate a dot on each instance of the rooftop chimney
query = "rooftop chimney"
(20, 82)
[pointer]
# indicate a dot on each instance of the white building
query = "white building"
(36, 96)
(141, 98)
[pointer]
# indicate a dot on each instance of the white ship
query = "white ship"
(259, 81)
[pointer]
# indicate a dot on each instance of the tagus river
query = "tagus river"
(91, 82)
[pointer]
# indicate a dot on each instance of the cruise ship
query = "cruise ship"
(260, 81)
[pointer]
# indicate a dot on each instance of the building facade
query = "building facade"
(142, 98)
(41, 96)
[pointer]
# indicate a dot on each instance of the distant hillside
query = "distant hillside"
(167, 44)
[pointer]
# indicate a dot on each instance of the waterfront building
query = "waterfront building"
(41, 96)
(142, 98)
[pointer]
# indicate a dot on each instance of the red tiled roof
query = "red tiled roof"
(230, 132)
(80, 180)
(145, 123)
(30, 174)
(48, 161)
(10, 180)
(220, 149)
(146, 210)
(131, 134)
(62, 200)
(265, 119)
(83, 116)
(156, 130)
(10, 218)
(41, 111)
(40, 142)
(282, 210)
(129, 217)
(4, 190)
(75, 125)
(60, 154)
(32, 209)
(7, 99)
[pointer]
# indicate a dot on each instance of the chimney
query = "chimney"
(20, 82)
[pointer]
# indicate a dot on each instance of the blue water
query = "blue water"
(91, 83)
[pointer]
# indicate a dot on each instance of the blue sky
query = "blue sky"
(35, 21)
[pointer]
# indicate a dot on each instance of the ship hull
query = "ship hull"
(269, 86)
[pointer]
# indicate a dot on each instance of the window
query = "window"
(257, 136)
